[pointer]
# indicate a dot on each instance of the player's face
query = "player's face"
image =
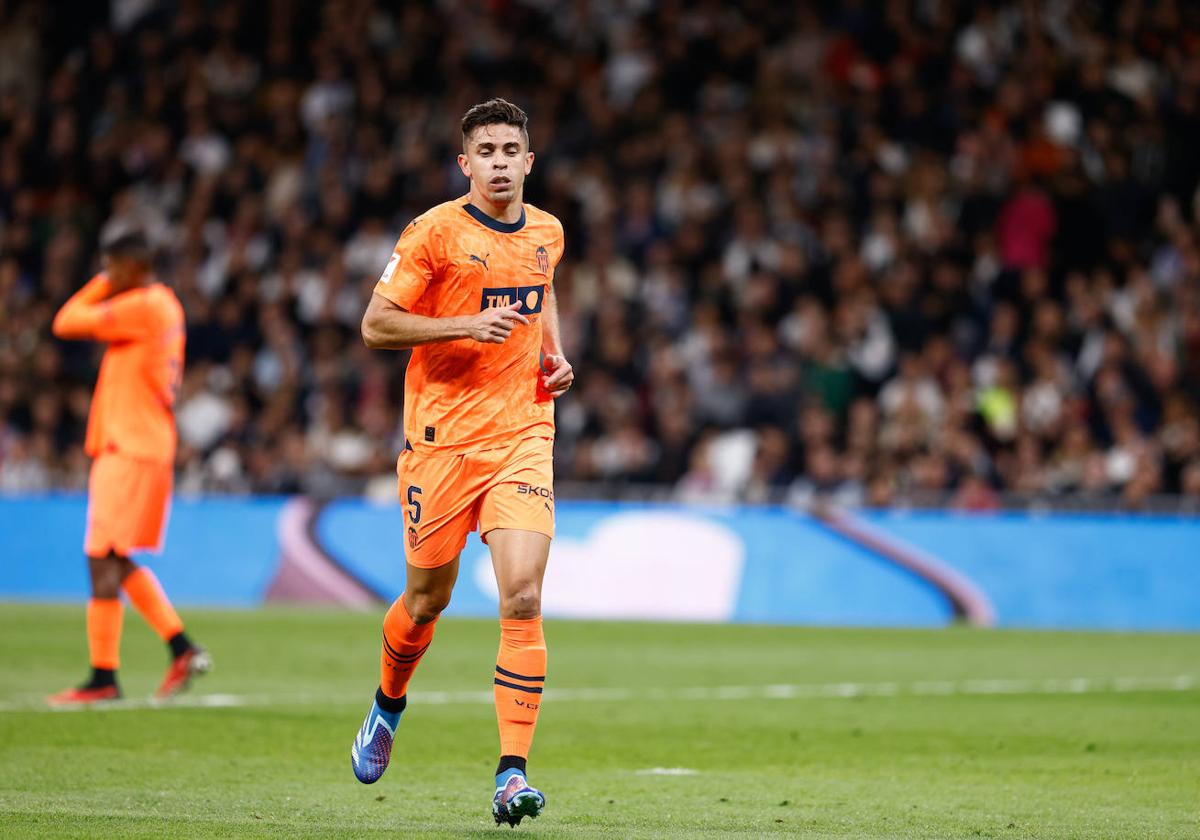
(123, 273)
(497, 161)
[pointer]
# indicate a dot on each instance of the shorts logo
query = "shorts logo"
(412, 537)
(535, 492)
(530, 298)
(543, 260)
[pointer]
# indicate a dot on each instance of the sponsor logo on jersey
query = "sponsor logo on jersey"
(535, 492)
(390, 271)
(530, 298)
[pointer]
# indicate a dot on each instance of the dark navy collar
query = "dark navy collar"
(495, 224)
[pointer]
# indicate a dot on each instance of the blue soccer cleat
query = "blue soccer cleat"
(515, 799)
(372, 748)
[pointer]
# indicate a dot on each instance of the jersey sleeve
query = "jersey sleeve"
(411, 268)
(559, 247)
(91, 314)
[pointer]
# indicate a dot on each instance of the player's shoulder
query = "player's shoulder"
(439, 217)
(536, 217)
(163, 298)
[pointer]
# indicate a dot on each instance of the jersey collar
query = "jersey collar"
(496, 225)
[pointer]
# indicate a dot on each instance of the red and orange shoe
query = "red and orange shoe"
(190, 663)
(84, 695)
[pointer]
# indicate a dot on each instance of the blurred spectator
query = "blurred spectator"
(894, 253)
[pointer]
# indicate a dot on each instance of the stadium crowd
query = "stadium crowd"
(876, 253)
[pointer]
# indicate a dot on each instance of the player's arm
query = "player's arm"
(388, 326)
(390, 323)
(79, 316)
(92, 314)
(558, 374)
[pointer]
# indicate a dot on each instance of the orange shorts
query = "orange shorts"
(445, 497)
(128, 502)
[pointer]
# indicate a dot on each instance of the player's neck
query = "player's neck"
(507, 213)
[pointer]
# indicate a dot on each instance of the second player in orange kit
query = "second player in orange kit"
(131, 439)
(470, 289)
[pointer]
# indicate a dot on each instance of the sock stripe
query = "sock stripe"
(516, 676)
(526, 688)
(403, 659)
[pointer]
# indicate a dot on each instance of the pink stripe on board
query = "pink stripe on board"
(306, 573)
(969, 602)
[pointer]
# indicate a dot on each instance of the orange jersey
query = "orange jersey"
(132, 409)
(463, 396)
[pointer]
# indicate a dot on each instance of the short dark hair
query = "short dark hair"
(128, 242)
(494, 112)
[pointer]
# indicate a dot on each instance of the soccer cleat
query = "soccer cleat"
(372, 748)
(84, 695)
(515, 799)
(193, 662)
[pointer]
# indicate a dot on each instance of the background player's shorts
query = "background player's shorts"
(128, 502)
(445, 497)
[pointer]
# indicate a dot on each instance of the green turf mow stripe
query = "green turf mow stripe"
(845, 690)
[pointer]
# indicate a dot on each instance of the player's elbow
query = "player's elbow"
(372, 336)
(62, 327)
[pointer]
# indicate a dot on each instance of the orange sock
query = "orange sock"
(148, 598)
(104, 632)
(404, 643)
(520, 676)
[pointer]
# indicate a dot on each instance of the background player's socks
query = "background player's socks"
(104, 647)
(104, 619)
(101, 678)
(404, 643)
(520, 677)
(179, 644)
(148, 598)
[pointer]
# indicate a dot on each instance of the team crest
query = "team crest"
(543, 259)
(412, 537)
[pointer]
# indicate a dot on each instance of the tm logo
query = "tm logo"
(483, 260)
(530, 298)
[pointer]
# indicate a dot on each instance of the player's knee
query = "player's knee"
(523, 602)
(106, 574)
(426, 606)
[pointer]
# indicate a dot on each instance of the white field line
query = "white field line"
(786, 691)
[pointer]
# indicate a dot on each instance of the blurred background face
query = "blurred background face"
(496, 160)
(124, 272)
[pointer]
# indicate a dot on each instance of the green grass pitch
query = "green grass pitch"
(783, 732)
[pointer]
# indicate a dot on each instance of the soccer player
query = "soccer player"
(470, 289)
(131, 438)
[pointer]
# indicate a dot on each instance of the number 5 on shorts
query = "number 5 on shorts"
(414, 515)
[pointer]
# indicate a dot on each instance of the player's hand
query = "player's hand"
(558, 376)
(492, 326)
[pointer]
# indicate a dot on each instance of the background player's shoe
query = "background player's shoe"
(372, 748)
(84, 695)
(192, 662)
(515, 799)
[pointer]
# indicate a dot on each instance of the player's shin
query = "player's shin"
(520, 678)
(404, 643)
(142, 588)
(104, 622)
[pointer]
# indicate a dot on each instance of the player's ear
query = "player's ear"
(528, 162)
(465, 165)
